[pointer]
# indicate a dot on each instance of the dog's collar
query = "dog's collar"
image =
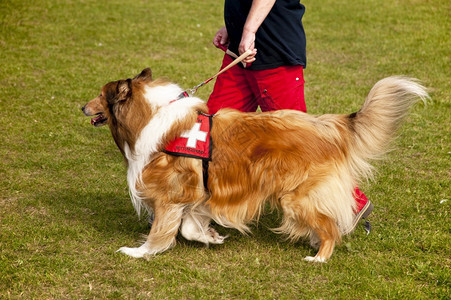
(182, 95)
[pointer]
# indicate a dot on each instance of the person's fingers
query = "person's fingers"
(251, 57)
(221, 37)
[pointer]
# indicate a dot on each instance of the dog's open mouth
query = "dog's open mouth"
(100, 120)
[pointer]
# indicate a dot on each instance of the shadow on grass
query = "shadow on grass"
(108, 213)
(111, 214)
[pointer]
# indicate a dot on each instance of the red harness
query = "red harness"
(195, 143)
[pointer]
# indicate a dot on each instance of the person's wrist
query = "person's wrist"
(249, 30)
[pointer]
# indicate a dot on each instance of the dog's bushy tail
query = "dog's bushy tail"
(377, 122)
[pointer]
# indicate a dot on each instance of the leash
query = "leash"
(192, 91)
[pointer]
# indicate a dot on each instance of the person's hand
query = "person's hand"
(248, 43)
(221, 39)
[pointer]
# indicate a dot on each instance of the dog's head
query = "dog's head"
(122, 105)
(115, 99)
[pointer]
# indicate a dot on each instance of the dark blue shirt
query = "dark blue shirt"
(280, 40)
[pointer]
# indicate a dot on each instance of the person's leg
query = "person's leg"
(232, 90)
(363, 209)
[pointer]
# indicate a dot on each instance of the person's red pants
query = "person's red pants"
(245, 90)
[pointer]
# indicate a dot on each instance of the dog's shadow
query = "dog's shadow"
(112, 214)
(108, 213)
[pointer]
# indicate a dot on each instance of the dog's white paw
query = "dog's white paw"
(214, 237)
(315, 259)
(135, 252)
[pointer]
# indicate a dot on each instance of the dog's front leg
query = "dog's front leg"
(196, 227)
(162, 234)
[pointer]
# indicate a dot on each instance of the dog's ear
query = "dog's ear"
(124, 90)
(145, 75)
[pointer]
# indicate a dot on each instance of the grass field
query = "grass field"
(64, 204)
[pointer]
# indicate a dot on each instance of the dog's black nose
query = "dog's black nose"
(83, 108)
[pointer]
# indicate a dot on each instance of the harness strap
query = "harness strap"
(205, 164)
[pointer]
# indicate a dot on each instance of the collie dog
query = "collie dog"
(307, 166)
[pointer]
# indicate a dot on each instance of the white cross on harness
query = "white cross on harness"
(194, 135)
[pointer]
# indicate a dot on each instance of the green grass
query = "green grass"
(64, 204)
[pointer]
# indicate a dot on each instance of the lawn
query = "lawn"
(64, 203)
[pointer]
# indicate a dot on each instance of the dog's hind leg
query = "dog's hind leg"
(326, 230)
(301, 218)
(162, 234)
(196, 227)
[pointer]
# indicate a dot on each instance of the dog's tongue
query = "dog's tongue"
(96, 119)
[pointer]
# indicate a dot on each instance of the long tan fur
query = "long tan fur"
(305, 165)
